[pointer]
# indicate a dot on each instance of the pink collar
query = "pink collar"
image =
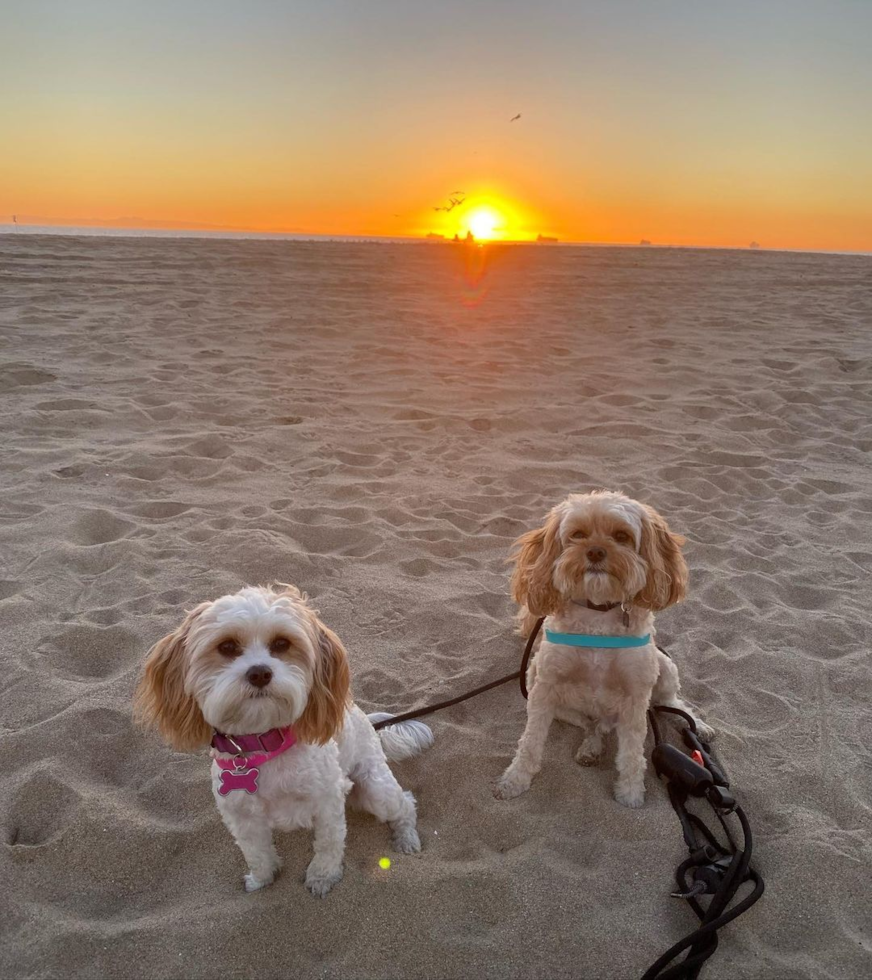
(258, 742)
(242, 769)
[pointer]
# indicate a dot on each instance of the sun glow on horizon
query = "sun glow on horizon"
(485, 223)
(488, 214)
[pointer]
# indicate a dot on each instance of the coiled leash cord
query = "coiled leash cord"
(718, 870)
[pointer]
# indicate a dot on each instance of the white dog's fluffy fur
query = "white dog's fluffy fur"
(605, 548)
(195, 682)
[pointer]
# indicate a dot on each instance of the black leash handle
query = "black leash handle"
(703, 941)
(709, 859)
(430, 708)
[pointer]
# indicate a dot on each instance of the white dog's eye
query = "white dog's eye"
(229, 648)
(621, 537)
(281, 644)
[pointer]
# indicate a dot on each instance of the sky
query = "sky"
(689, 122)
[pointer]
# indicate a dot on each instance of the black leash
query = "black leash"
(719, 870)
(430, 708)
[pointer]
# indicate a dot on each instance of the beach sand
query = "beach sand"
(377, 423)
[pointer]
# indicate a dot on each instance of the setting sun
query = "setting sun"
(484, 222)
(487, 212)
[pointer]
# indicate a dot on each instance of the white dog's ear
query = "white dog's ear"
(666, 583)
(161, 701)
(286, 589)
(328, 697)
(534, 556)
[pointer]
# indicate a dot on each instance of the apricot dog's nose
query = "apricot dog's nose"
(258, 676)
(595, 554)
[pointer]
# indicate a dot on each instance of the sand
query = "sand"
(376, 424)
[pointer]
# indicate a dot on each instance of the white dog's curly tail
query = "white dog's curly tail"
(403, 740)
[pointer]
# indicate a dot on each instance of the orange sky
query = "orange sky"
(679, 122)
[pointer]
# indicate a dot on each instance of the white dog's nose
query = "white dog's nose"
(258, 676)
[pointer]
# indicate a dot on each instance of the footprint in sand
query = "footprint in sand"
(41, 810)
(99, 527)
(209, 447)
(14, 376)
(830, 487)
(353, 541)
(88, 652)
(69, 472)
(419, 567)
(158, 510)
(68, 405)
(359, 459)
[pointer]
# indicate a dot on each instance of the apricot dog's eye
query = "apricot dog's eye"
(281, 644)
(621, 537)
(229, 648)
(579, 534)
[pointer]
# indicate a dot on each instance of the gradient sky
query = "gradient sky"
(679, 121)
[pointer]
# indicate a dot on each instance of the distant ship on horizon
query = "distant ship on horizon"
(546, 240)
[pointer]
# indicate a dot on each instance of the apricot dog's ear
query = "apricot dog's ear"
(534, 556)
(161, 701)
(666, 583)
(325, 709)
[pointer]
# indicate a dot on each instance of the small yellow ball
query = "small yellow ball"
(385, 863)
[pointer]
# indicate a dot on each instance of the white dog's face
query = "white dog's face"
(603, 547)
(251, 657)
(247, 662)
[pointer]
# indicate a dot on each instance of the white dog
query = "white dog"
(597, 571)
(261, 678)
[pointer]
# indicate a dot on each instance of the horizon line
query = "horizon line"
(237, 233)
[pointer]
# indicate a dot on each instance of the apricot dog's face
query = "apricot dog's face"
(602, 547)
(599, 558)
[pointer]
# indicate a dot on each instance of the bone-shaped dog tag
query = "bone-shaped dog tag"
(231, 780)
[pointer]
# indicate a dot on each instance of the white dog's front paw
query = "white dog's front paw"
(254, 883)
(705, 732)
(320, 879)
(512, 784)
(407, 841)
(632, 795)
(590, 750)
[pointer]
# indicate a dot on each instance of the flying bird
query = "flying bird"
(515, 117)
(453, 202)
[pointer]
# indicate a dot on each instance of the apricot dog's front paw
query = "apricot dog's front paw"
(632, 796)
(512, 784)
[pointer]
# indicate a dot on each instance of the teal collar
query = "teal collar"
(592, 640)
